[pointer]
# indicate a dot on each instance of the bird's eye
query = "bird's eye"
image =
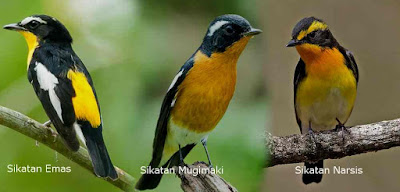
(33, 24)
(228, 30)
(312, 34)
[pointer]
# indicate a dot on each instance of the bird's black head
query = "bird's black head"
(225, 31)
(311, 30)
(43, 27)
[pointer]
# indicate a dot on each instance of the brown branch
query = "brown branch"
(204, 181)
(332, 144)
(50, 138)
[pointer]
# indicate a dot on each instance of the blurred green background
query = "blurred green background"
(133, 49)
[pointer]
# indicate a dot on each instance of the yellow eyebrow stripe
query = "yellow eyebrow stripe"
(316, 25)
(84, 102)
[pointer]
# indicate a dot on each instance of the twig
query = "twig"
(332, 144)
(50, 138)
(204, 181)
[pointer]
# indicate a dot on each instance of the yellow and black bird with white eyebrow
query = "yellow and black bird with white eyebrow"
(199, 95)
(325, 82)
(65, 88)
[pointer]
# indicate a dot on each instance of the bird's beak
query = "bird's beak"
(293, 43)
(14, 26)
(252, 32)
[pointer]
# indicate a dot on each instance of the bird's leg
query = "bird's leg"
(340, 127)
(311, 133)
(313, 142)
(204, 142)
(54, 134)
(181, 163)
(47, 123)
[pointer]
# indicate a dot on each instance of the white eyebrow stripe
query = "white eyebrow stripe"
(29, 19)
(216, 26)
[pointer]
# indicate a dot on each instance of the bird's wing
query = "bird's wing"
(299, 75)
(65, 90)
(47, 73)
(350, 62)
(167, 106)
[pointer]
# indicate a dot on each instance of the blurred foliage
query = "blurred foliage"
(133, 50)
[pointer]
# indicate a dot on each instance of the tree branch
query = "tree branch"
(280, 150)
(332, 144)
(204, 181)
(50, 138)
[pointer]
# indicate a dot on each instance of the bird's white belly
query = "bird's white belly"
(179, 136)
(182, 136)
(323, 114)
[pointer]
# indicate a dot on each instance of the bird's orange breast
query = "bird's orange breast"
(329, 89)
(204, 95)
(321, 62)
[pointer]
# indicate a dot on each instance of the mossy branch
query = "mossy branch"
(50, 138)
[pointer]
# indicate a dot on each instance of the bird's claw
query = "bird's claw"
(341, 128)
(47, 123)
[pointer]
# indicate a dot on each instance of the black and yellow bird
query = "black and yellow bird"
(325, 82)
(199, 95)
(65, 88)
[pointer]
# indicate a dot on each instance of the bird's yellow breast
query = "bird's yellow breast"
(328, 82)
(84, 102)
(32, 42)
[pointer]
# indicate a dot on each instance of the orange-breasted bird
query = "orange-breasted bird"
(325, 82)
(199, 95)
(65, 88)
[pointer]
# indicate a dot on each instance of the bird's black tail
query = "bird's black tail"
(101, 161)
(151, 181)
(310, 178)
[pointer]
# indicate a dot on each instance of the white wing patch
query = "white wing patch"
(175, 79)
(78, 131)
(173, 102)
(29, 19)
(216, 26)
(48, 82)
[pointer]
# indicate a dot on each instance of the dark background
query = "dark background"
(370, 29)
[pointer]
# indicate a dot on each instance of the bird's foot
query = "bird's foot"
(47, 123)
(340, 128)
(182, 164)
(312, 135)
(54, 134)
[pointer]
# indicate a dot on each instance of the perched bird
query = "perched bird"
(65, 88)
(325, 82)
(199, 95)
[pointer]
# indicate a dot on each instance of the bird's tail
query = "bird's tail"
(101, 161)
(151, 181)
(310, 178)
(68, 136)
